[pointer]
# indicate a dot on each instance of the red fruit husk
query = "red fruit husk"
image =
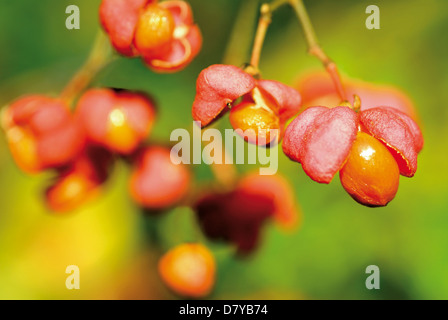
(277, 188)
(182, 49)
(399, 132)
(180, 10)
(217, 86)
(287, 99)
(236, 217)
(119, 19)
(94, 111)
(320, 139)
(55, 136)
(61, 146)
(156, 182)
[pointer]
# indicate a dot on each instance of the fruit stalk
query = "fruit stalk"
(99, 57)
(264, 22)
(263, 25)
(314, 47)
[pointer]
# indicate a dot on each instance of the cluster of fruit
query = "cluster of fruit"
(370, 146)
(82, 146)
(162, 33)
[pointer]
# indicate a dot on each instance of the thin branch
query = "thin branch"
(99, 57)
(314, 47)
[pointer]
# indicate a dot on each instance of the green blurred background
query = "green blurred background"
(116, 246)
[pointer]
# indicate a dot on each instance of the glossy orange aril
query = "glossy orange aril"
(70, 192)
(370, 174)
(258, 121)
(154, 29)
(189, 270)
(118, 120)
(41, 133)
(79, 182)
(23, 149)
(120, 135)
